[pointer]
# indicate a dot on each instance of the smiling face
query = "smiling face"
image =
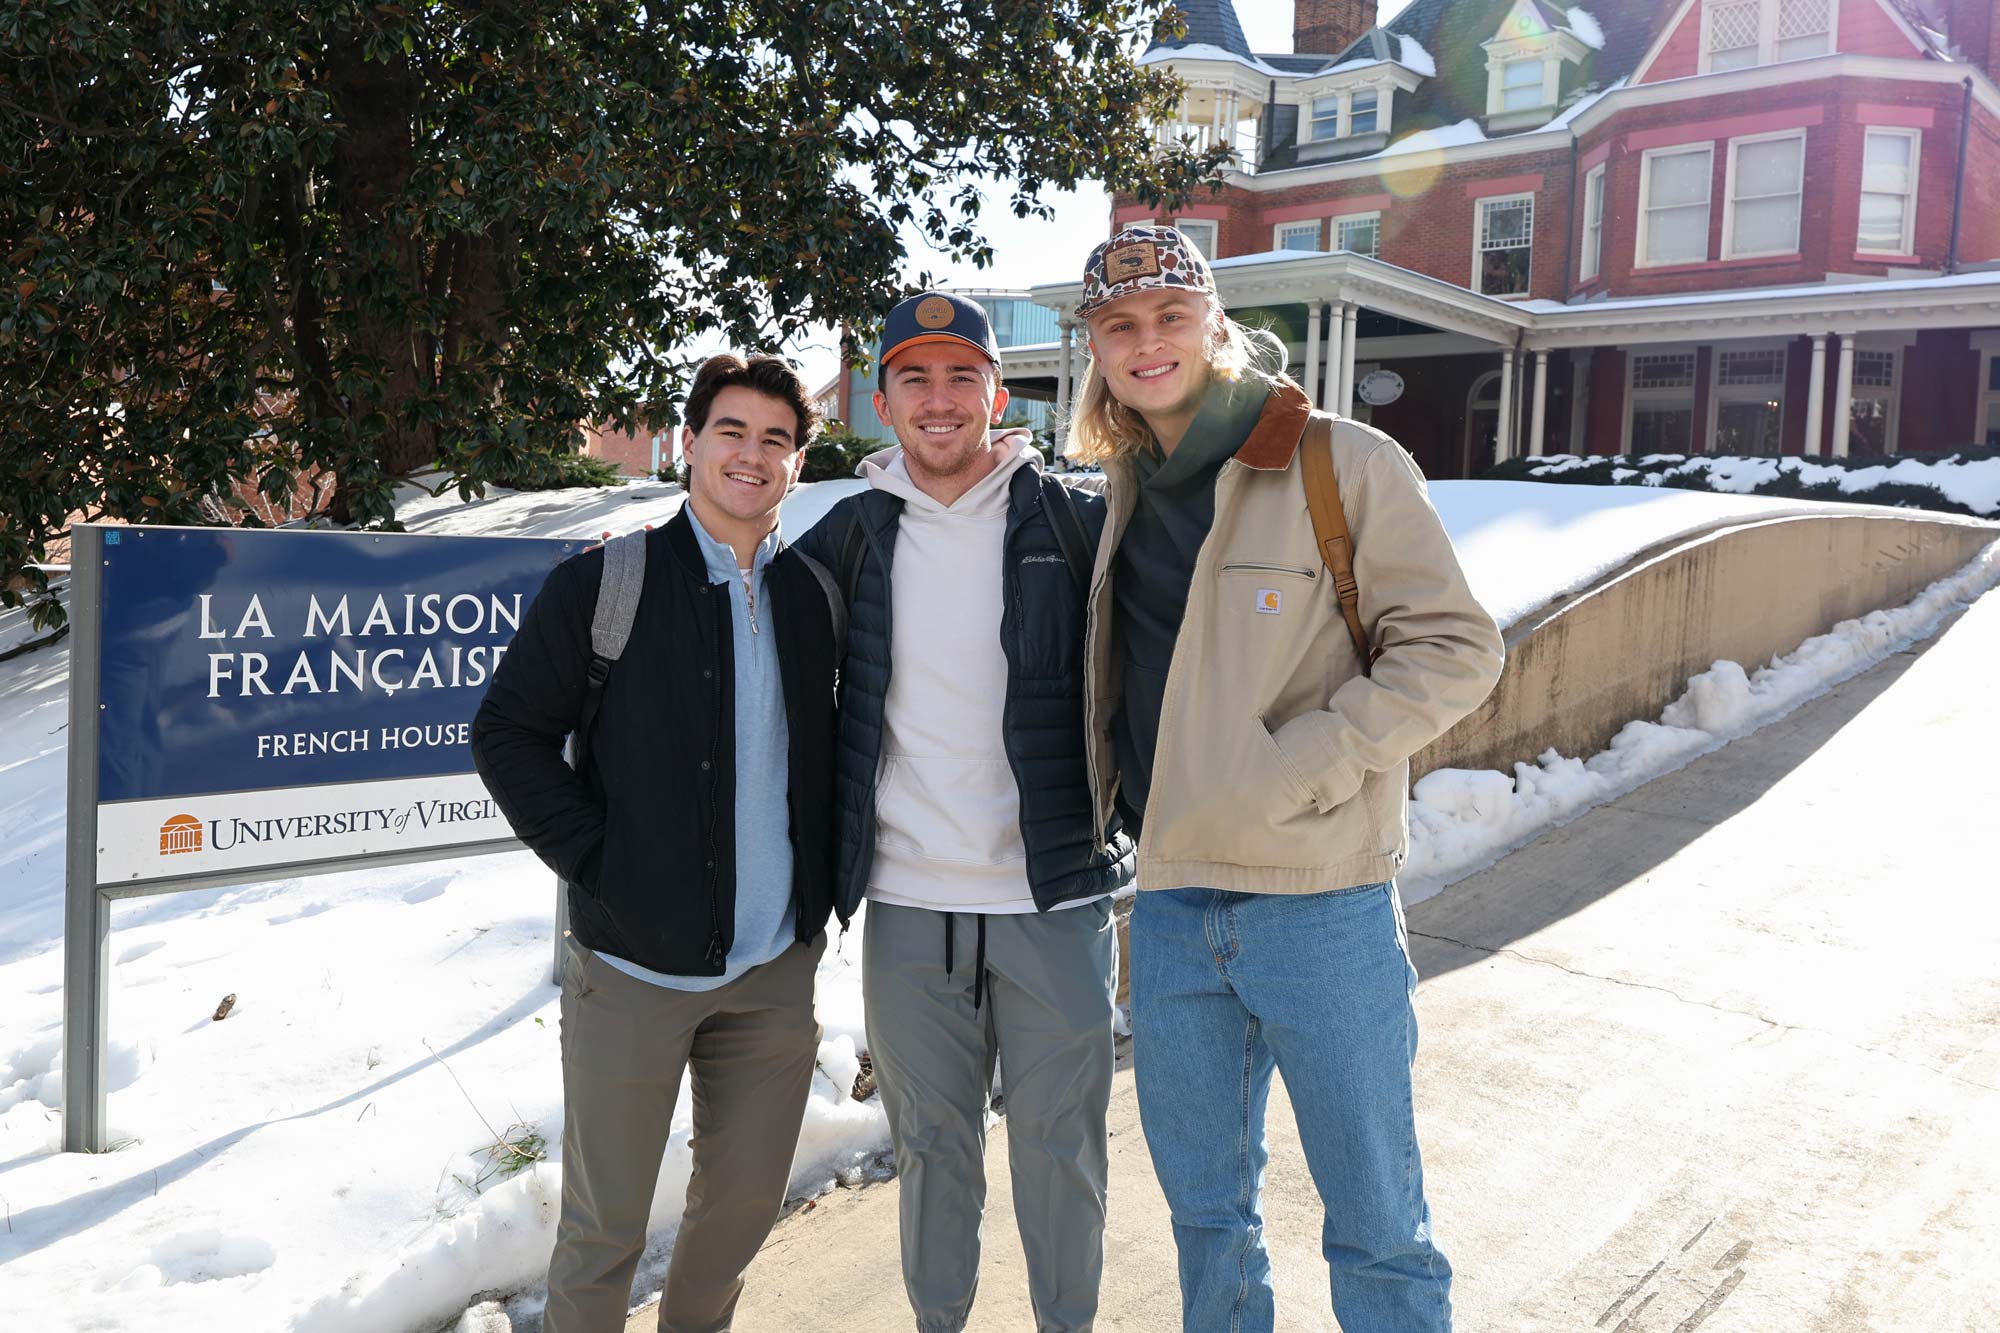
(941, 399)
(744, 458)
(1152, 349)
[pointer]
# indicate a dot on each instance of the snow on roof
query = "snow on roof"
(1202, 51)
(1585, 27)
(1444, 136)
(1417, 60)
(1989, 279)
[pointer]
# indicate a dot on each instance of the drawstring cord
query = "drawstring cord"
(979, 959)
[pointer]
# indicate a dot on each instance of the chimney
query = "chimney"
(1328, 27)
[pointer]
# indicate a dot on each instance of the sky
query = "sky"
(1031, 251)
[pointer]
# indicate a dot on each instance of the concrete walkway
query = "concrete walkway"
(1722, 1055)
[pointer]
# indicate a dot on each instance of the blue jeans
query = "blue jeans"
(1225, 988)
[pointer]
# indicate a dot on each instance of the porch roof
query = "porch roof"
(1959, 300)
(1280, 277)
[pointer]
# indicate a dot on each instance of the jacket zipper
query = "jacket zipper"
(1011, 645)
(716, 955)
(750, 597)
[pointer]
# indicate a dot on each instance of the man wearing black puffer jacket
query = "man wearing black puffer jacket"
(965, 819)
(697, 843)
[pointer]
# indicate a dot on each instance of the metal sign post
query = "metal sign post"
(177, 726)
(86, 911)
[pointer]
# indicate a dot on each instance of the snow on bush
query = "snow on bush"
(1967, 482)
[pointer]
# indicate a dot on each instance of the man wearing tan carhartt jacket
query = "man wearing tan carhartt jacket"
(1234, 727)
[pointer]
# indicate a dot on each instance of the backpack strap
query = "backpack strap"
(836, 605)
(1068, 525)
(618, 591)
(1329, 520)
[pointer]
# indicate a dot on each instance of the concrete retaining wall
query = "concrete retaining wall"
(1582, 667)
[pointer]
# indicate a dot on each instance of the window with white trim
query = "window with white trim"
(1659, 403)
(1359, 233)
(1803, 28)
(1747, 401)
(1521, 85)
(1326, 117)
(1761, 214)
(1503, 243)
(1987, 423)
(1889, 192)
(1593, 222)
(1872, 404)
(1673, 205)
(1201, 231)
(1734, 34)
(1361, 111)
(1297, 235)
(1737, 34)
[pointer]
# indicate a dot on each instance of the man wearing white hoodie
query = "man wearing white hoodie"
(963, 815)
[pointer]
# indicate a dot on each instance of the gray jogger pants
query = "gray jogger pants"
(1044, 1009)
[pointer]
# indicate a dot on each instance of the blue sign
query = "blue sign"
(243, 660)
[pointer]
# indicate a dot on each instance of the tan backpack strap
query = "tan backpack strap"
(1329, 520)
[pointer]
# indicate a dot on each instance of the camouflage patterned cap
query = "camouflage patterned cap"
(1138, 259)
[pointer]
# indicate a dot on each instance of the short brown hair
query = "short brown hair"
(770, 375)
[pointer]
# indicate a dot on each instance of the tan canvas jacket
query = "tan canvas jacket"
(1281, 768)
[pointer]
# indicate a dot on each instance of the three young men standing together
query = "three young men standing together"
(1031, 682)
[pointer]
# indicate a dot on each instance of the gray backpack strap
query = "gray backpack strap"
(618, 594)
(836, 605)
(618, 590)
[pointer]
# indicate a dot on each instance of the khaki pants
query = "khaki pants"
(749, 1048)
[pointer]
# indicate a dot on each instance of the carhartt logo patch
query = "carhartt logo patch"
(1270, 601)
(1141, 259)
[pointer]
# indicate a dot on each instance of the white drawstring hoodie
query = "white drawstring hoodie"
(947, 812)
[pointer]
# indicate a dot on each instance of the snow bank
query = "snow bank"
(1523, 543)
(1462, 820)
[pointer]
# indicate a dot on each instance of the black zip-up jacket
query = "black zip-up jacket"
(646, 835)
(1042, 721)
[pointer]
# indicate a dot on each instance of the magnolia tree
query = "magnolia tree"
(265, 250)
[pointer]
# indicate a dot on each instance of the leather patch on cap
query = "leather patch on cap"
(1140, 259)
(935, 312)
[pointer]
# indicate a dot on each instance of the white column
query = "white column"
(1344, 404)
(1312, 350)
(1326, 392)
(1843, 396)
(1537, 414)
(1503, 447)
(1816, 397)
(1062, 378)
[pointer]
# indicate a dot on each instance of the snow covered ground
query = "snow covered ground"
(322, 1161)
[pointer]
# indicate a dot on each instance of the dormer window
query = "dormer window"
(1525, 61)
(1361, 111)
(1521, 85)
(1737, 34)
(1344, 115)
(1326, 117)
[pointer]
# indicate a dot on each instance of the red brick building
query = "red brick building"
(1497, 227)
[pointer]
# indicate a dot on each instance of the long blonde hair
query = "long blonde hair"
(1100, 427)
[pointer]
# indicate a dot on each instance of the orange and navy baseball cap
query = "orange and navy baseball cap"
(936, 317)
(1138, 259)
